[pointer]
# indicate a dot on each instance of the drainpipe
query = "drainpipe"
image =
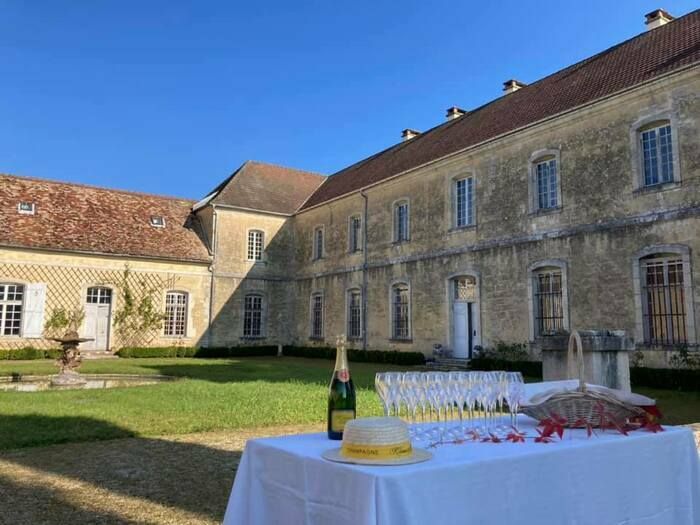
(211, 280)
(364, 272)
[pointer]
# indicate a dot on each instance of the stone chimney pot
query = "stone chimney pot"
(657, 18)
(409, 133)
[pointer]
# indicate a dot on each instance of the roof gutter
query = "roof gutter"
(507, 134)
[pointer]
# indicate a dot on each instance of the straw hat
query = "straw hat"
(377, 441)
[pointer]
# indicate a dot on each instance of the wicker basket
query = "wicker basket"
(581, 407)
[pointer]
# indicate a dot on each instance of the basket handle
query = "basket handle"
(575, 345)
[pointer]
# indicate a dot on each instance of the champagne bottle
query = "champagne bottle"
(341, 396)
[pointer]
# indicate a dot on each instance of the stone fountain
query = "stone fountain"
(69, 361)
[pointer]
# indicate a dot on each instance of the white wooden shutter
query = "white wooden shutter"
(34, 301)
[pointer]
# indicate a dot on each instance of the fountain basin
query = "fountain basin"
(35, 383)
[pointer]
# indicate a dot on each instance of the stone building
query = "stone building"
(571, 202)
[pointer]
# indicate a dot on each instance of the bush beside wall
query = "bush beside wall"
(359, 356)
(189, 351)
(528, 368)
(28, 353)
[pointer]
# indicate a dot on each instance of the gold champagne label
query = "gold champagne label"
(360, 451)
(339, 418)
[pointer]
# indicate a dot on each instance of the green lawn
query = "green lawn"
(214, 394)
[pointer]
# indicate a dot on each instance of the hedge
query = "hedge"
(360, 356)
(528, 368)
(28, 353)
(189, 351)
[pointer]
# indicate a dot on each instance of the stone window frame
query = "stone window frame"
(186, 324)
(315, 254)
(637, 155)
(449, 285)
(394, 220)
(348, 292)
(451, 219)
(262, 245)
(321, 336)
(263, 314)
(664, 249)
(392, 285)
(358, 248)
(533, 196)
(24, 285)
(563, 266)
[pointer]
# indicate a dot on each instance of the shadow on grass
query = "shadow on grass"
(180, 475)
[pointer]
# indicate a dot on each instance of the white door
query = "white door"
(460, 318)
(98, 312)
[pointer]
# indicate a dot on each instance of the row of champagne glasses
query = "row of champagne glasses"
(451, 404)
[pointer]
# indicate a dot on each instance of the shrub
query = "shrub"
(28, 353)
(666, 378)
(360, 356)
(527, 368)
(505, 352)
(190, 351)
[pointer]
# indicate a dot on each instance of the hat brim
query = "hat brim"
(418, 455)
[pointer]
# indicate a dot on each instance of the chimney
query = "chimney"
(455, 112)
(409, 133)
(657, 18)
(512, 85)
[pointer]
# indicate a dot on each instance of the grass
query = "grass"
(214, 395)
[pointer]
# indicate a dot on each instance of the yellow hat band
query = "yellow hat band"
(359, 451)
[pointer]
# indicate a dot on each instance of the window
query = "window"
(354, 314)
(355, 234)
(548, 299)
(546, 183)
(26, 208)
(318, 243)
(400, 312)
(401, 221)
(255, 245)
(175, 322)
(464, 202)
(11, 297)
(465, 289)
(157, 221)
(663, 300)
(253, 316)
(657, 154)
(317, 316)
(99, 295)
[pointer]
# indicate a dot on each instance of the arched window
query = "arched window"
(402, 222)
(255, 245)
(465, 288)
(400, 311)
(549, 298)
(656, 150)
(317, 315)
(175, 321)
(354, 313)
(11, 299)
(253, 325)
(545, 181)
(664, 313)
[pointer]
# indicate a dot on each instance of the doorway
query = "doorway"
(98, 318)
(464, 316)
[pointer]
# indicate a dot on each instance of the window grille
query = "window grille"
(401, 328)
(401, 221)
(11, 298)
(464, 202)
(546, 179)
(354, 314)
(657, 155)
(465, 289)
(318, 243)
(252, 316)
(317, 316)
(663, 301)
(355, 234)
(549, 310)
(175, 322)
(255, 245)
(99, 295)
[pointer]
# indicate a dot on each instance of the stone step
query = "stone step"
(449, 363)
(97, 354)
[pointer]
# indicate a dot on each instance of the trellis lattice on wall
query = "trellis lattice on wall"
(66, 287)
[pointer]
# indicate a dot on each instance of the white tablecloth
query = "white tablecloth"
(643, 478)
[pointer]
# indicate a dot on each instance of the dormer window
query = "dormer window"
(26, 208)
(158, 221)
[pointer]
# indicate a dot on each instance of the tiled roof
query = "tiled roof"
(267, 187)
(74, 217)
(640, 59)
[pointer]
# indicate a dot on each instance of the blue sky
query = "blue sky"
(170, 97)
